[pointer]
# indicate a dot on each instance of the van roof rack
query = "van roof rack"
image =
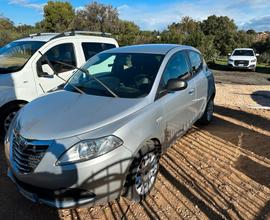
(72, 33)
(41, 34)
(89, 33)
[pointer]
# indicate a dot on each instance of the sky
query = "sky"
(156, 14)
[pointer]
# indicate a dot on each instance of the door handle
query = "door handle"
(191, 91)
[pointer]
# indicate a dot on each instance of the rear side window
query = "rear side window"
(63, 53)
(195, 61)
(91, 49)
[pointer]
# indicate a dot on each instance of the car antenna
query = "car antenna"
(83, 70)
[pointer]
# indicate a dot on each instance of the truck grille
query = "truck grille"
(239, 62)
(26, 155)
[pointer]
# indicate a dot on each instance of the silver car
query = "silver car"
(101, 136)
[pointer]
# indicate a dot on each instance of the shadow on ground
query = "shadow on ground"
(262, 98)
(13, 205)
(220, 171)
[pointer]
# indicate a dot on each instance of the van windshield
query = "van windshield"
(15, 55)
(128, 75)
(243, 53)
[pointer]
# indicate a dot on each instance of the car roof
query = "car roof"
(149, 48)
(243, 49)
(45, 37)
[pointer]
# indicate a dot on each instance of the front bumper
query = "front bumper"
(97, 180)
(65, 198)
(245, 65)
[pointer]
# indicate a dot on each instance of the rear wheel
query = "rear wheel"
(6, 117)
(143, 173)
(208, 113)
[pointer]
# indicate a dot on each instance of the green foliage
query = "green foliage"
(263, 48)
(223, 29)
(97, 17)
(7, 31)
(58, 16)
(214, 36)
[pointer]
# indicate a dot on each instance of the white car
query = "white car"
(243, 58)
(23, 69)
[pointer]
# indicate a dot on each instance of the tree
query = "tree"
(7, 31)
(127, 32)
(223, 29)
(58, 16)
(251, 31)
(6, 24)
(97, 17)
(187, 25)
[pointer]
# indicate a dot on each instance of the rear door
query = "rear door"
(92, 48)
(177, 106)
(198, 70)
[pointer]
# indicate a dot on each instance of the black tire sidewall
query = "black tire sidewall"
(129, 190)
(4, 114)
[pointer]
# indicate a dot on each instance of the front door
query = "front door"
(178, 106)
(64, 53)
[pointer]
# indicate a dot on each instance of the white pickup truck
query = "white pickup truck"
(22, 76)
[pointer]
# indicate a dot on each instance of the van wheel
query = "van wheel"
(208, 113)
(6, 118)
(142, 174)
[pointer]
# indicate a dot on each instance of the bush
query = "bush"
(264, 58)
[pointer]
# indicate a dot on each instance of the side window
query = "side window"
(63, 53)
(196, 61)
(177, 67)
(91, 49)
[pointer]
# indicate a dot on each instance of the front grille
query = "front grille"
(239, 62)
(26, 154)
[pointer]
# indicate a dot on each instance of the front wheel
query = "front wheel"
(142, 174)
(6, 117)
(208, 113)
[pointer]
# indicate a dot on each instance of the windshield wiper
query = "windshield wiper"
(87, 72)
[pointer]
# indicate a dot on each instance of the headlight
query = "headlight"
(253, 61)
(230, 60)
(89, 149)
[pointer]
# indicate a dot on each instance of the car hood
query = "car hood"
(65, 114)
(242, 57)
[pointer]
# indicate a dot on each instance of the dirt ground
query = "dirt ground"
(220, 171)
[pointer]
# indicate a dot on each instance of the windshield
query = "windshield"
(243, 53)
(128, 75)
(14, 55)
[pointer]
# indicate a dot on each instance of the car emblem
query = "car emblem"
(22, 143)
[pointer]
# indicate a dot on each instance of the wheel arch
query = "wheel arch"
(14, 102)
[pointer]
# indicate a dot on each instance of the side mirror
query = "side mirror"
(47, 71)
(229, 54)
(176, 85)
(257, 54)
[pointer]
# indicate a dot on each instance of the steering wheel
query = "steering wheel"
(142, 80)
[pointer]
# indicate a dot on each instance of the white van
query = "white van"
(22, 66)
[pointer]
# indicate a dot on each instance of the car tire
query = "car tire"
(142, 173)
(6, 117)
(208, 113)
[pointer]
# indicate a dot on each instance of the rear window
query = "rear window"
(91, 49)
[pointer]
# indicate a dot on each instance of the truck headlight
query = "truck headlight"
(89, 149)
